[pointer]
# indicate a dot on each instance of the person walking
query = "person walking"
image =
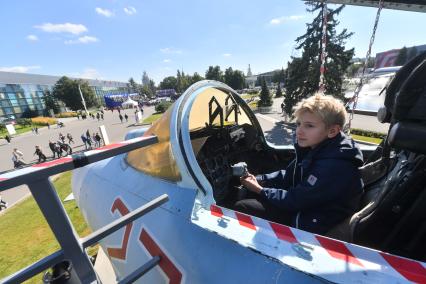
(87, 134)
(61, 137)
(7, 137)
(126, 117)
(70, 139)
(36, 130)
(39, 153)
(18, 158)
(48, 125)
(98, 139)
(98, 116)
(121, 117)
(3, 204)
(52, 147)
(84, 139)
(102, 116)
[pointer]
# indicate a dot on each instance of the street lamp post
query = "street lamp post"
(82, 100)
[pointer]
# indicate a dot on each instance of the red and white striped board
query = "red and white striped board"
(331, 259)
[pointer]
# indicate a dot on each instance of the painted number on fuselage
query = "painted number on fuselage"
(121, 252)
(165, 264)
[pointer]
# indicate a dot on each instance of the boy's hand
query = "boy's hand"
(250, 182)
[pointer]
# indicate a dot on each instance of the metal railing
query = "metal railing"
(72, 247)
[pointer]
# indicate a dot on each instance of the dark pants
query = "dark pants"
(253, 205)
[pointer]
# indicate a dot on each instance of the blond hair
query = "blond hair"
(330, 109)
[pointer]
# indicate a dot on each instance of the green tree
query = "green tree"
(196, 77)
(265, 97)
(279, 93)
(234, 78)
(307, 71)
(214, 73)
(66, 90)
(145, 79)
(50, 101)
(169, 82)
(132, 86)
(402, 57)
(278, 76)
(412, 53)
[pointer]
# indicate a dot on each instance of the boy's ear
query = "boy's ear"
(333, 131)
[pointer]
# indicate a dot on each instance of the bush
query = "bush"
(24, 121)
(66, 114)
(368, 133)
(42, 121)
(162, 107)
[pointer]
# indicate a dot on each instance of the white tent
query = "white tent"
(129, 103)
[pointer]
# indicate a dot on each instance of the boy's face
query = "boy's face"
(311, 130)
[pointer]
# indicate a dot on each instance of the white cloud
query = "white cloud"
(227, 54)
(130, 10)
(62, 28)
(170, 50)
(167, 60)
(104, 12)
(83, 40)
(280, 20)
(19, 69)
(88, 73)
(32, 38)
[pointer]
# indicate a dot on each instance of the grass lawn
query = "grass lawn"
(367, 139)
(19, 129)
(152, 118)
(25, 235)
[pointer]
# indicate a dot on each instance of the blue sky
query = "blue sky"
(116, 40)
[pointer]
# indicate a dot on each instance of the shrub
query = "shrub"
(368, 133)
(42, 121)
(162, 107)
(24, 121)
(66, 114)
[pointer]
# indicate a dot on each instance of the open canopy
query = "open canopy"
(129, 103)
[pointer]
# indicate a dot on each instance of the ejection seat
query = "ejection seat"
(392, 215)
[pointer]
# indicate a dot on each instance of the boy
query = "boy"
(322, 186)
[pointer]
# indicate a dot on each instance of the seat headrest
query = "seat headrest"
(408, 136)
(404, 91)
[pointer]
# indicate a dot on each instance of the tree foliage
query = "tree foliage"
(50, 101)
(214, 73)
(265, 97)
(303, 73)
(169, 82)
(66, 90)
(402, 57)
(279, 93)
(132, 86)
(234, 78)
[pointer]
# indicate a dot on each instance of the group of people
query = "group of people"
(59, 148)
(88, 140)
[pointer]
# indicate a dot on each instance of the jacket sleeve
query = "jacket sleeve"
(278, 179)
(326, 182)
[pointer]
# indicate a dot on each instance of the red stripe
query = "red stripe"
(216, 211)
(338, 250)
(245, 220)
(410, 269)
(283, 232)
(172, 272)
(3, 178)
(110, 146)
(53, 162)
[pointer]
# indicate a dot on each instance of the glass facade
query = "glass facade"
(16, 99)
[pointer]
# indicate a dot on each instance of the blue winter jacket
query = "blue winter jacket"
(321, 187)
